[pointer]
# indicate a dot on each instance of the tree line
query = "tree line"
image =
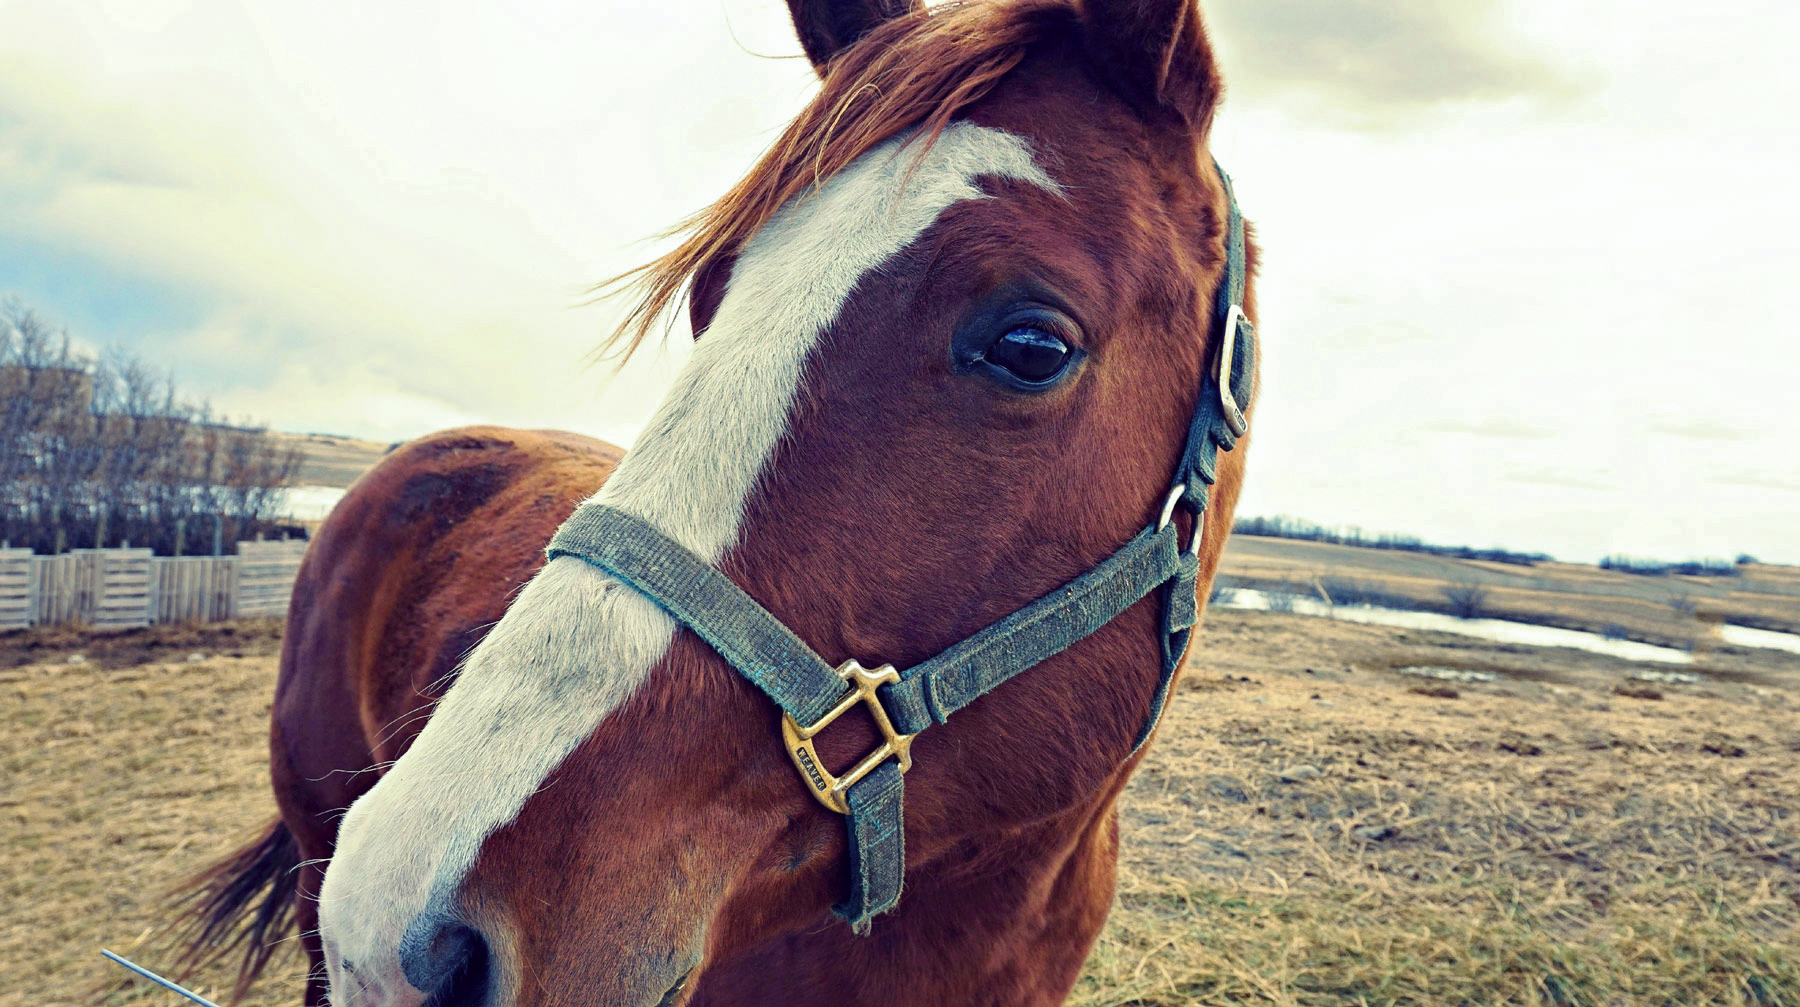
(1282, 526)
(97, 451)
(1688, 568)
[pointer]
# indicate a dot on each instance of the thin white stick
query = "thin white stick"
(159, 980)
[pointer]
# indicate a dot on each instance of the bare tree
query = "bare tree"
(100, 451)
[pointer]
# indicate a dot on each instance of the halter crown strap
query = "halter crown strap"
(1228, 386)
(812, 694)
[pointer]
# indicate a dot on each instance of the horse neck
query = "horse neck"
(999, 920)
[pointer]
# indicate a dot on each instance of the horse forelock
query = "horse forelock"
(915, 73)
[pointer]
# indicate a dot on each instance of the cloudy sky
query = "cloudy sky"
(1530, 277)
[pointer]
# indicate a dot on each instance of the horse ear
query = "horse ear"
(828, 27)
(1156, 53)
(707, 290)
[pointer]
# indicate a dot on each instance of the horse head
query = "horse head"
(951, 334)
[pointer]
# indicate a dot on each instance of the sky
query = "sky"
(1529, 276)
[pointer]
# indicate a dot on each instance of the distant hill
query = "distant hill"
(331, 460)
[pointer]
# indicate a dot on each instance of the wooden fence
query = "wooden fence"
(122, 588)
(196, 589)
(265, 577)
(16, 610)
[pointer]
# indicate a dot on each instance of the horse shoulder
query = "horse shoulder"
(410, 571)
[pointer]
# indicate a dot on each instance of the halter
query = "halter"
(812, 694)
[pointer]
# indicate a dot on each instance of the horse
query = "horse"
(951, 333)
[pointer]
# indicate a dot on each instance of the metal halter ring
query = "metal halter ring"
(1168, 514)
(1228, 403)
(1169, 505)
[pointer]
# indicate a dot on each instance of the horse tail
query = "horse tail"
(246, 900)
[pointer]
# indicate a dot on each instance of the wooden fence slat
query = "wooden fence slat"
(119, 587)
(17, 589)
(265, 577)
(193, 589)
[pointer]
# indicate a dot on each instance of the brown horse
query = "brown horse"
(951, 333)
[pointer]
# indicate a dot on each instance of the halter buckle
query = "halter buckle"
(1228, 403)
(833, 791)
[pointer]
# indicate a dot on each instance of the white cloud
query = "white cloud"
(1516, 313)
(406, 203)
(1378, 63)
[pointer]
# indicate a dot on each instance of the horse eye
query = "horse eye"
(1030, 354)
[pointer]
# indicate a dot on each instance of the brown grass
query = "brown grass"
(1306, 830)
(123, 774)
(1516, 842)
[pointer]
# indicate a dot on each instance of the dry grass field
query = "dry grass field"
(1312, 827)
(1671, 611)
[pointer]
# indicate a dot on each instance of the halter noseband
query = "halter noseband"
(812, 694)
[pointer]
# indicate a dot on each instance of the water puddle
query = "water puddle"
(1763, 639)
(1498, 630)
(1464, 675)
(1668, 677)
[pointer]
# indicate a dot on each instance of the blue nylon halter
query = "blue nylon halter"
(811, 692)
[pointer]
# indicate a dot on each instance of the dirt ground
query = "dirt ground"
(1319, 822)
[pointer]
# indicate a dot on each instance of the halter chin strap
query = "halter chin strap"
(812, 694)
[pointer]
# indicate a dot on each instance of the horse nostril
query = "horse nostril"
(448, 962)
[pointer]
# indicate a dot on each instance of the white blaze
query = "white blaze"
(577, 644)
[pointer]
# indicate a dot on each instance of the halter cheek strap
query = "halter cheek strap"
(812, 694)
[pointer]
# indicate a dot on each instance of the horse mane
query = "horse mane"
(916, 71)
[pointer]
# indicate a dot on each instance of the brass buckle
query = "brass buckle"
(833, 791)
(1234, 413)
